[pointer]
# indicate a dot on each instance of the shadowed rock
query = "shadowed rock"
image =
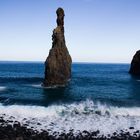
(58, 63)
(135, 64)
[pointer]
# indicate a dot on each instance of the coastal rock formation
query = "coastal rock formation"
(135, 64)
(58, 63)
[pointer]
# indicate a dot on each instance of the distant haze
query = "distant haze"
(96, 30)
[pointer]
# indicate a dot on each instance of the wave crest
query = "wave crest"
(79, 117)
(2, 88)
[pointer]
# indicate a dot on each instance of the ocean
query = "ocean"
(102, 97)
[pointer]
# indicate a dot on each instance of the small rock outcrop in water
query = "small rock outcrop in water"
(135, 64)
(58, 63)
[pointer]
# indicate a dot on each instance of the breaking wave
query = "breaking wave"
(77, 117)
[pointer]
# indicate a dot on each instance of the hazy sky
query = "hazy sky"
(96, 30)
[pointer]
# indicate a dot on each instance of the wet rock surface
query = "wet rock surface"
(17, 131)
(58, 63)
(135, 64)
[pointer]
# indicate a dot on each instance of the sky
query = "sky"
(95, 30)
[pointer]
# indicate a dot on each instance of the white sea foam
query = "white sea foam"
(2, 88)
(54, 87)
(37, 85)
(49, 87)
(83, 116)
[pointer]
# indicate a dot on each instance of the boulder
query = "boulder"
(135, 64)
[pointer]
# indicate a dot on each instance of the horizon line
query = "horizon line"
(74, 62)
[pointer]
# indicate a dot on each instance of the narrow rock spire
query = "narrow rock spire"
(58, 63)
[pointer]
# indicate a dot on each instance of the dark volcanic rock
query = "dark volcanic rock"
(19, 132)
(135, 64)
(58, 63)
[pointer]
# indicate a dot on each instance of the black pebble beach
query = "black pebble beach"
(16, 131)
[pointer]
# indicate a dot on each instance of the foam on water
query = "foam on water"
(79, 117)
(49, 87)
(37, 85)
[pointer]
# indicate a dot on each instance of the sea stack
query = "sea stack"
(58, 63)
(135, 64)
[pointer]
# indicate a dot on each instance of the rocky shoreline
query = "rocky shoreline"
(13, 130)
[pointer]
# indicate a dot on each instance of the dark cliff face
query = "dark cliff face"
(135, 64)
(58, 63)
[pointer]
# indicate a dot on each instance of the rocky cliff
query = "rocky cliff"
(135, 64)
(58, 63)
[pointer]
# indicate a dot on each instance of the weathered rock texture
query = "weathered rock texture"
(135, 64)
(58, 63)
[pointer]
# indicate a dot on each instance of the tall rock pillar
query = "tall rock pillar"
(58, 62)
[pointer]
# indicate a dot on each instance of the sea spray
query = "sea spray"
(77, 117)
